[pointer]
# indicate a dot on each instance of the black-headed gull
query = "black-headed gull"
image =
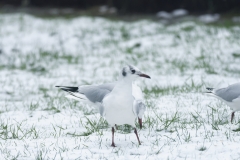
(229, 95)
(119, 102)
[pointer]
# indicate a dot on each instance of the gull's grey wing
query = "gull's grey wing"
(108, 86)
(96, 93)
(230, 93)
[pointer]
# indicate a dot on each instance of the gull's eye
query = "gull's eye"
(133, 71)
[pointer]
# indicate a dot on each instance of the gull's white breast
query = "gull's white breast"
(119, 109)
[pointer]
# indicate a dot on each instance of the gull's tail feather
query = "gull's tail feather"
(73, 92)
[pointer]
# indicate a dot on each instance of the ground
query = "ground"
(181, 122)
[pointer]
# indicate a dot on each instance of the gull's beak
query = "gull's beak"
(144, 75)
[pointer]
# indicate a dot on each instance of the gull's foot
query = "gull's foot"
(113, 145)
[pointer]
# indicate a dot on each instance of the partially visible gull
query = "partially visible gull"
(229, 95)
(119, 102)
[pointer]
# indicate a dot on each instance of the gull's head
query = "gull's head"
(133, 72)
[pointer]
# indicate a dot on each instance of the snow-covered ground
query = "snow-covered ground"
(38, 122)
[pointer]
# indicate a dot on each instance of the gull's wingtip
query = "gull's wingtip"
(68, 88)
(210, 89)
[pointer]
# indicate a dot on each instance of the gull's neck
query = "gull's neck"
(124, 85)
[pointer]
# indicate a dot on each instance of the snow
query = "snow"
(37, 121)
(179, 12)
(209, 18)
(163, 14)
(105, 9)
(174, 13)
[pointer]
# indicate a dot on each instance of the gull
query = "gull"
(119, 102)
(229, 95)
(94, 94)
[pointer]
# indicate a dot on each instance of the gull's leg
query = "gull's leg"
(135, 131)
(140, 122)
(232, 116)
(113, 144)
(116, 127)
